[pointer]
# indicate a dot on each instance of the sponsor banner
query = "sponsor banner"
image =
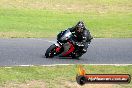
(83, 78)
(103, 78)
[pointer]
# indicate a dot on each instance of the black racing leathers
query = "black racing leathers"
(82, 39)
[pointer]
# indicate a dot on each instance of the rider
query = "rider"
(82, 36)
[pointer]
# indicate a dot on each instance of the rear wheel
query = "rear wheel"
(51, 51)
(77, 55)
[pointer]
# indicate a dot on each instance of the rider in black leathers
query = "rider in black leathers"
(82, 36)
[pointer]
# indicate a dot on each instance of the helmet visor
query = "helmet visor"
(79, 29)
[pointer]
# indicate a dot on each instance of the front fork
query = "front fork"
(59, 46)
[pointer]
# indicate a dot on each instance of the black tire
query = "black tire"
(77, 56)
(81, 80)
(50, 51)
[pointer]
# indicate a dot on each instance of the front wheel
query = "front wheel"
(51, 51)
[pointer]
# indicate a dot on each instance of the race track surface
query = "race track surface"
(31, 52)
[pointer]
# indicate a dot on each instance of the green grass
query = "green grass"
(55, 76)
(45, 18)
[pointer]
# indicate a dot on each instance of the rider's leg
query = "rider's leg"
(84, 50)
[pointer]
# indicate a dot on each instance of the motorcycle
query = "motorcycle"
(64, 47)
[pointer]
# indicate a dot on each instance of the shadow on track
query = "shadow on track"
(57, 57)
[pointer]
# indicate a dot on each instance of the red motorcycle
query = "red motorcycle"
(64, 46)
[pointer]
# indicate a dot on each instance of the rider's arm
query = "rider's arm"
(86, 36)
(84, 39)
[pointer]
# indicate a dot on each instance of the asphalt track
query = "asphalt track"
(30, 51)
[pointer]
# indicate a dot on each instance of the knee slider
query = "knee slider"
(84, 50)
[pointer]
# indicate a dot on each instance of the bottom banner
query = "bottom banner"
(103, 78)
(83, 78)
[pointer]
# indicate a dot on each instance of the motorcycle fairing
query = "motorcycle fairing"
(70, 50)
